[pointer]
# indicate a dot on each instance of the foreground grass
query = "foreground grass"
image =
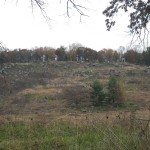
(21, 135)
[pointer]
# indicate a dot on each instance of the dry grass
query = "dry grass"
(141, 98)
(69, 82)
(43, 108)
(112, 130)
(77, 117)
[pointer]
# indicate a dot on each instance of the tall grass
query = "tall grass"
(67, 135)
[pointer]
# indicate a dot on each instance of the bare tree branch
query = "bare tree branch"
(80, 9)
(42, 6)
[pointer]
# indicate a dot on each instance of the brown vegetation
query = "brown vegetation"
(53, 101)
(66, 86)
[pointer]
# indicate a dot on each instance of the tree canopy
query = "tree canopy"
(139, 14)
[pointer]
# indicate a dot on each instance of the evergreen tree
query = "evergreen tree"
(98, 93)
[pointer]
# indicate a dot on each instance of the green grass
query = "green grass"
(31, 96)
(67, 136)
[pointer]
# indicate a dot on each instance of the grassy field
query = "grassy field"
(75, 132)
(49, 107)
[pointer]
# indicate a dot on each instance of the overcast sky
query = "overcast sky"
(22, 28)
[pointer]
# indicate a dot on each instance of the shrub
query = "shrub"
(114, 96)
(76, 96)
(115, 91)
(98, 93)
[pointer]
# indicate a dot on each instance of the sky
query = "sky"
(20, 27)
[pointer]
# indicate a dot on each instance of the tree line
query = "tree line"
(75, 53)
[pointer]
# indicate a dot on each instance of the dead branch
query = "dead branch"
(80, 9)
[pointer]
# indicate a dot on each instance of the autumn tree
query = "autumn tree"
(101, 56)
(131, 56)
(80, 52)
(90, 54)
(38, 53)
(72, 53)
(115, 56)
(49, 53)
(108, 55)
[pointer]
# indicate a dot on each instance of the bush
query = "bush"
(76, 96)
(98, 93)
(115, 91)
(114, 96)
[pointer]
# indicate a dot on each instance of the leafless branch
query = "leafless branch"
(42, 5)
(77, 7)
(142, 38)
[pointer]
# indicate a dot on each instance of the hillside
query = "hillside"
(37, 87)
(49, 106)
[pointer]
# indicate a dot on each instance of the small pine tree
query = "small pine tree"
(112, 92)
(98, 93)
(115, 91)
